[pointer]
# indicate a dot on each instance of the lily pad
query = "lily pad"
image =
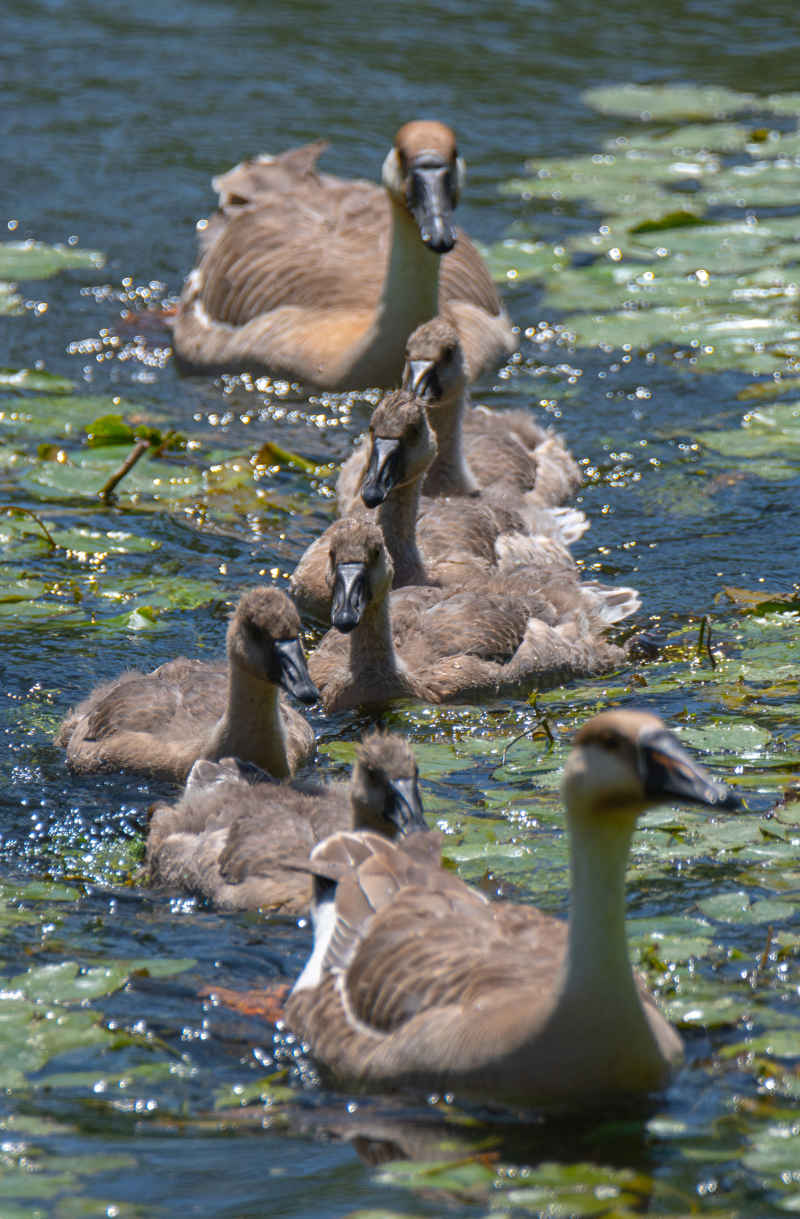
(669, 103)
(35, 379)
(35, 260)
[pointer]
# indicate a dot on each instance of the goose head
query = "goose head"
(424, 172)
(264, 641)
(402, 446)
(384, 788)
(360, 571)
(623, 762)
(435, 371)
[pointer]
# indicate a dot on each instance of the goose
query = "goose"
(418, 981)
(162, 722)
(500, 455)
(322, 279)
(446, 543)
(481, 642)
(231, 833)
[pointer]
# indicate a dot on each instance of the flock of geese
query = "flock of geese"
(448, 576)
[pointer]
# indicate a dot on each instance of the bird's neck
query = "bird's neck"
(397, 517)
(409, 296)
(252, 727)
(449, 473)
(376, 669)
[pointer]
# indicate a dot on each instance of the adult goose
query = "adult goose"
(229, 837)
(322, 279)
(502, 455)
(162, 722)
(445, 543)
(417, 981)
(482, 642)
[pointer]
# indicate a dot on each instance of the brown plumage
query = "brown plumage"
(504, 457)
(161, 722)
(451, 544)
(234, 834)
(417, 981)
(322, 279)
(415, 644)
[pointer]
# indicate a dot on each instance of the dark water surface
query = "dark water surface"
(115, 118)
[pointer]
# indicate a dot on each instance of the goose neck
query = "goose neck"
(251, 727)
(397, 517)
(449, 473)
(598, 966)
(374, 665)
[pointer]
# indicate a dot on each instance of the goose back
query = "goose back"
(235, 834)
(418, 981)
(309, 276)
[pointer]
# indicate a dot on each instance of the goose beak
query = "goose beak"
(420, 379)
(404, 806)
(292, 672)
(667, 769)
(381, 473)
(430, 200)
(350, 596)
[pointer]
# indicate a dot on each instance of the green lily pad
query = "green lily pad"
(669, 103)
(35, 260)
(35, 379)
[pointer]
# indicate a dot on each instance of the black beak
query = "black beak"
(667, 769)
(349, 596)
(404, 806)
(421, 379)
(430, 199)
(382, 470)
(292, 673)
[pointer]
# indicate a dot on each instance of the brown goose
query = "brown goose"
(502, 455)
(232, 832)
(322, 279)
(417, 645)
(161, 722)
(447, 543)
(417, 981)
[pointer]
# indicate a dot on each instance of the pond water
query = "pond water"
(651, 265)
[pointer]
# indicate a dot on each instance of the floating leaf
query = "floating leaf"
(109, 429)
(35, 379)
(669, 103)
(35, 260)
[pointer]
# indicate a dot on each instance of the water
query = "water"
(115, 120)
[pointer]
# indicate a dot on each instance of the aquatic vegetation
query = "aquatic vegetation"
(668, 251)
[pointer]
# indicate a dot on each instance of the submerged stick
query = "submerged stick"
(705, 635)
(138, 450)
(541, 722)
(29, 512)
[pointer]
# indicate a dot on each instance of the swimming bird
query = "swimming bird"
(162, 722)
(504, 456)
(415, 644)
(233, 831)
(418, 981)
(322, 279)
(447, 543)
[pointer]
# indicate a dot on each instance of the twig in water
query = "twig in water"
(705, 634)
(541, 722)
(28, 512)
(107, 490)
